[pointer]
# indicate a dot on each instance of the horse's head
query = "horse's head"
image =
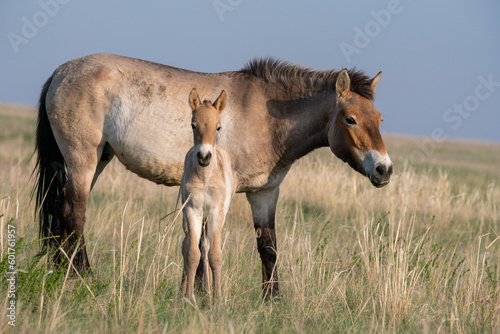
(205, 124)
(354, 134)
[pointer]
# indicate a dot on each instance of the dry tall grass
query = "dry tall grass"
(421, 255)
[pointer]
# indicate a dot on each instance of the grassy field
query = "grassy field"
(418, 256)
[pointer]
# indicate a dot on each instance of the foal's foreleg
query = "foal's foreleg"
(205, 249)
(263, 204)
(215, 253)
(190, 251)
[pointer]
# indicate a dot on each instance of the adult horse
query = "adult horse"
(100, 106)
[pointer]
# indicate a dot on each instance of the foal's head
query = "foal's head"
(205, 124)
(354, 134)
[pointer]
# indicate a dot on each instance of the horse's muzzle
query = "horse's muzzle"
(378, 168)
(381, 175)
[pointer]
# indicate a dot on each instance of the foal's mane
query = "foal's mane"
(299, 78)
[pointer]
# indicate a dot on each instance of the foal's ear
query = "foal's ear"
(220, 103)
(343, 84)
(375, 81)
(194, 99)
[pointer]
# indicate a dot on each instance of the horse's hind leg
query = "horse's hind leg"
(83, 169)
(73, 204)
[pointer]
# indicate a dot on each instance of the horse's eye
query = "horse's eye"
(218, 128)
(193, 126)
(350, 121)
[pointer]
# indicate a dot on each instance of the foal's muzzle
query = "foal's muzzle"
(204, 159)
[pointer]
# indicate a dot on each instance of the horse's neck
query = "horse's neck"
(301, 127)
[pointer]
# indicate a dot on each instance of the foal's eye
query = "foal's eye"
(193, 126)
(350, 121)
(218, 128)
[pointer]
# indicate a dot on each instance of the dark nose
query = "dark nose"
(204, 161)
(383, 172)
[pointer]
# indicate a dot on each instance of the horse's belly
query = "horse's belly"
(151, 145)
(153, 163)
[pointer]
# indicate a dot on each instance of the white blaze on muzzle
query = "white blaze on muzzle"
(377, 167)
(204, 153)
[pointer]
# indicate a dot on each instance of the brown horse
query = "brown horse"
(207, 188)
(100, 106)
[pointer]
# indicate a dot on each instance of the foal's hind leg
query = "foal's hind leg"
(198, 281)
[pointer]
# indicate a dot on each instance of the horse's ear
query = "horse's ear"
(220, 103)
(194, 99)
(375, 81)
(343, 84)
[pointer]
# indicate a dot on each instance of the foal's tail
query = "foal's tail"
(50, 173)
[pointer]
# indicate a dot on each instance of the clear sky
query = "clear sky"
(440, 59)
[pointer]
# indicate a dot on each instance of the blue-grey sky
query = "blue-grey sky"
(440, 60)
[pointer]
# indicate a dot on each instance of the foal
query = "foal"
(207, 186)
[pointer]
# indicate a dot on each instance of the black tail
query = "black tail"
(50, 171)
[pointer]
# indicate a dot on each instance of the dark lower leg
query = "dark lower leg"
(81, 262)
(263, 204)
(73, 241)
(63, 254)
(266, 244)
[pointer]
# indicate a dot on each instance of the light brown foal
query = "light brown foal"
(207, 186)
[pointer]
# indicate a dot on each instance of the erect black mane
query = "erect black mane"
(297, 77)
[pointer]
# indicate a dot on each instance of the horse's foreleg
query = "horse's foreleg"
(263, 204)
